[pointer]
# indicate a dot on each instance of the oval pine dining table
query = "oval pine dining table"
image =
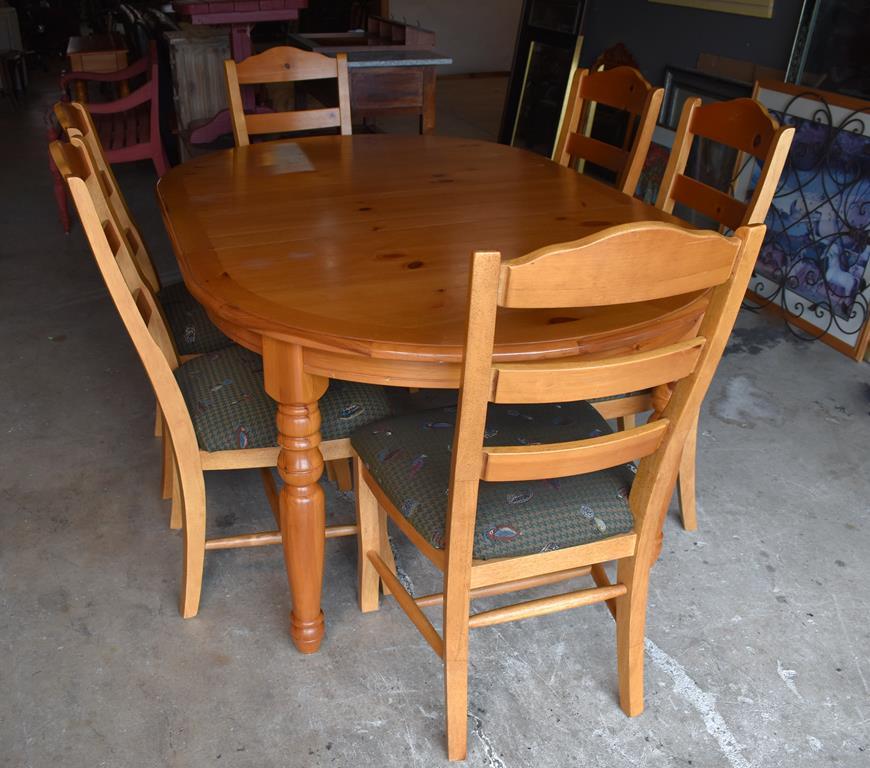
(348, 256)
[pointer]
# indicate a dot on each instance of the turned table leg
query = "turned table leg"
(300, 465)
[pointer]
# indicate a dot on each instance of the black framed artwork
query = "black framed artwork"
(830, 47)
(546, 53)
(561, 16)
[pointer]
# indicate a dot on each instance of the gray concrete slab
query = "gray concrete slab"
(758, 639)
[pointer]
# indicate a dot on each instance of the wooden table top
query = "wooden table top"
(361, 244)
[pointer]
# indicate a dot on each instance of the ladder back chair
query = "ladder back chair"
(192, 330)
(284, 64)
(525, 484)
(744, 125)
(216, 411)
(622, 88)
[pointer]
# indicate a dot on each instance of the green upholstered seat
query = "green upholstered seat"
(409, 457)
(189, 323)
(231, 410)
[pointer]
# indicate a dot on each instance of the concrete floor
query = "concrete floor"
(758, 649)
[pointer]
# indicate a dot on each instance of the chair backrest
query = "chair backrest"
(76, 121)
(286, 65)
(621, 265)
(85, 182)
(744, 125)
(622, 88)
(136, 304)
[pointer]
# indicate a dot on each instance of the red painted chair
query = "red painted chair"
(128, 127)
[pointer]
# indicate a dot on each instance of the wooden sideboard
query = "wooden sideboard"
(391, 67)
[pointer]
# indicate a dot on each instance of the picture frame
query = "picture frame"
(682, 84)
(828, 46)
(814, 265)
(544, 95)
(763, 9)
(556, 15)
(546, 53)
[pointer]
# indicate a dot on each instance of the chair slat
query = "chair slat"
(304, 120)
(545, 605)
(621, 88)
(553, 381)
(486, 572)
(597, 152)
(541, 462)
(604, 269)
(282, 64)
(710, 202)
(741, 123)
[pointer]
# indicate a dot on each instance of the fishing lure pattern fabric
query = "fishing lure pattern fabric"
(231, 410)
(189, 323)
(409, 456)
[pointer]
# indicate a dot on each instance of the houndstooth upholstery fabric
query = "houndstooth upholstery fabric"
(231, 410)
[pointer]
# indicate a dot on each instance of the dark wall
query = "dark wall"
(658, 35)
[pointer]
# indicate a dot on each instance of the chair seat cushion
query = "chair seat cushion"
(231, 410)
(409, 457)
(189, 323)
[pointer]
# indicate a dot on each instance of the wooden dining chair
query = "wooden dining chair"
(621, 88)
(525, 484)
(284, 64)
(129, 127)
(216, 411)
(744, 125)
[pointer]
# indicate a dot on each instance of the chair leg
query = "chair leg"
(193, 503)
(158, 422)
(386, 549)
(688, 462)
(368, 540)
(456, 685)
(342, 470)
(168, 469)
(625, 422)
(630, 625)
(176, 510)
